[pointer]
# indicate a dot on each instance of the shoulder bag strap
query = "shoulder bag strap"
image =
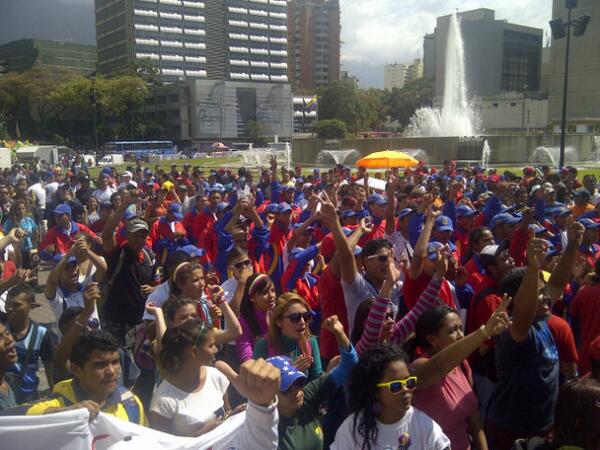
(29, 354)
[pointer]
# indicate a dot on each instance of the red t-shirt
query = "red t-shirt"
(586, 308)
(481, 309)
(331, 296)
(563, 338)
(414, 288)
(474, 275)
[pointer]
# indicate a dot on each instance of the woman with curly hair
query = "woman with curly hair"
(290, 336)
(381, 389)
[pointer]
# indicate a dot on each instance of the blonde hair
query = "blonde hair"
(283, 303)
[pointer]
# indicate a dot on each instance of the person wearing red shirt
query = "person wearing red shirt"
(279, 235)
(205, 221)
(479, 238)
(167, 230)
(465, 220)
(104, 212)
(565, 343)
(586, 308)
(376, 204)
(59, 238)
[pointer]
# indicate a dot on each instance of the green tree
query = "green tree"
(331, 129)
(255, 131)
(401, 104)
(342, 101)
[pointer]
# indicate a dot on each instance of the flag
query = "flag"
(311, 105)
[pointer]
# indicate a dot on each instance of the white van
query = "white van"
(111, 160)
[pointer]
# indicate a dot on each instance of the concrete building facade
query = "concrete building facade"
(52, 56)
(217, 39)
(200, 111)
(394, 76)
(583, 99)
(313, 43)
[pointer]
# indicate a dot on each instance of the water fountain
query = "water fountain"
(551, 156)
(419, 154)
(262, 157)
(596, 149)
(457, 117)
(328, 158)
(486, 154)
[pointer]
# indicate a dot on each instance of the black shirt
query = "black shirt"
(125, 302)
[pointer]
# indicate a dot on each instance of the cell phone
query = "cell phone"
(219, 413)
(318, 208)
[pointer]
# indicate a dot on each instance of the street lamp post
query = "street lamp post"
(559, 31)
(525, 87)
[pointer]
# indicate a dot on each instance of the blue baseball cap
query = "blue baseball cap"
(57, 258)
(357, 250)
(176, 210)
(271, 208)
(405, 212)
(432, 249)
(217, 187)
(506, 209)
(308, 228)
(348, 213)
(192, 251)
(537, 229)
(106, 205)
(504, 218)
(288, 188)
(582, 192)
(283, 208)
(106, 171)
(465, 211)
(588, 223)
(560, 211)
(443, 223)
(130, 213)
(378, 199)
(63, 208)
(289, 374)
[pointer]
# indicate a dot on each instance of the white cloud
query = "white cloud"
(375, 32)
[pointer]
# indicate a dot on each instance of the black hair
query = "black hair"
(174, 260)
(235, 253)
(171, 306)
(474, 235)
(177, 339)
(183, 274)
(246, 305)
(373, 246)
(68, 315)
(430, 322)
(362, 312)
(511, 282)
(88, 342)
(363, 390)
(19, 289)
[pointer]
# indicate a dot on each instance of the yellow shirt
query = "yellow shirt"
(120, 404)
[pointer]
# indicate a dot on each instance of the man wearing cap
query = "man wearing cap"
(397, 232)
(84, 192)
(204, 222)
(105, 210)
(131, 270)
(590, 248)
(59, 238)
(275, 258)
(126, 180)
(168, 232)
(581, 198)
(149, 185)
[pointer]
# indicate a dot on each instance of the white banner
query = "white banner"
(71, 430)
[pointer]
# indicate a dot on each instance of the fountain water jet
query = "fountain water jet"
(334, 157)
(486, 154)
(551, 156)
(457, 117)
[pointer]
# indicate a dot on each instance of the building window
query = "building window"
(513, 104)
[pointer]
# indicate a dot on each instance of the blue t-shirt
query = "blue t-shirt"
(527, 387)
(28, 225)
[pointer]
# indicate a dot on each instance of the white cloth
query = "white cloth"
(64, 299)
(189, 411)
(401, 246)
(51, 188)
(39, 193)
(103, 195)
(158, 297)
(229, 287)
(256, 428)
(423, 432)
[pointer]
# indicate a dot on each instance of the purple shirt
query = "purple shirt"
(245, 343)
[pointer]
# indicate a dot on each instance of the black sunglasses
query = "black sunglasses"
(246, 263)
(295, 317)
(380, 258)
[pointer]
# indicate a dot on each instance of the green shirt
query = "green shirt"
(290, 347)
(303, 431)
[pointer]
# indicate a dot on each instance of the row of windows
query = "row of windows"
(185, 36)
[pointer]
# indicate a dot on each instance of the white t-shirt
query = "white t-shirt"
(190, 411)
(422, 431)
(158, 297)
(103, 195)
(40, 194)
(51, 188)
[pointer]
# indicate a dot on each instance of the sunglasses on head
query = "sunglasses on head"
(295, 317)
(396, 386)
(380, 258)
(245, 263)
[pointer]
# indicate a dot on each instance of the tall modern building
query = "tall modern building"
(314, 42)
(394, 76)
(193, 39)
(499, 56)
(583, 99)
(52, 56)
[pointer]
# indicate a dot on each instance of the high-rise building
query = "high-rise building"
(314, 42)
(394, 76)
(583, 98)
(54, 57)
(415, 70)
(499, 56)
(214, 39)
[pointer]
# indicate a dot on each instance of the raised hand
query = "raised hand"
(333, 325)
(536, 251)
(303, 362)
(154, 310)
(91, 296)
(499, 321)
(258, 380)
(441, 264)
(575, 231)
(366, 226)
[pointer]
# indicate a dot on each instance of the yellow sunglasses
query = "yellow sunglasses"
(396, 386)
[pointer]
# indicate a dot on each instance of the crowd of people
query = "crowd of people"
(455, 309)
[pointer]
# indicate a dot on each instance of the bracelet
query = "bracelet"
(485, 333)
(80, 325)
